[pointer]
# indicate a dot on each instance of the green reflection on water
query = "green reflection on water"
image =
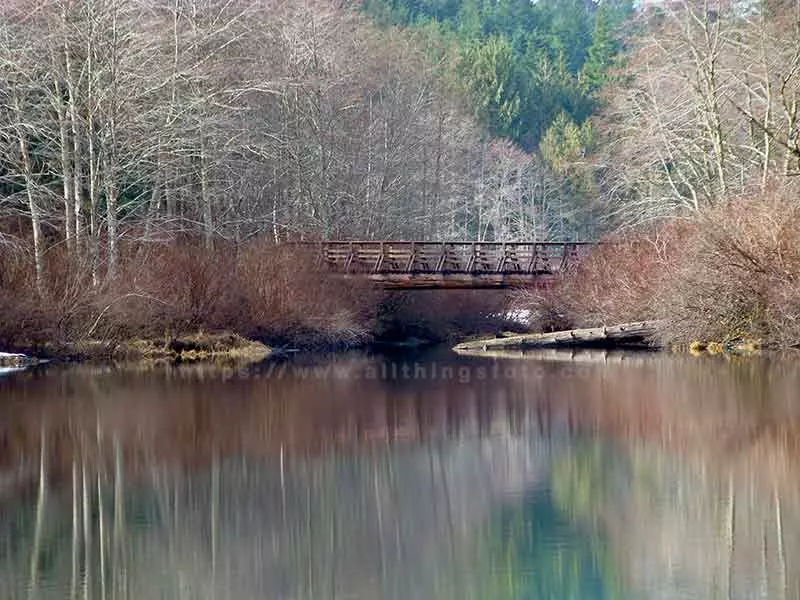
(396, 523)
(548, 544)
(429, 491)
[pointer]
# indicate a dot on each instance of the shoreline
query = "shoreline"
(200, 346)
(229, 347)
(639, 335)
(217, 347)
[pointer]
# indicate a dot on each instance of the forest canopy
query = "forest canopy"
(522, 63)
(134, 122)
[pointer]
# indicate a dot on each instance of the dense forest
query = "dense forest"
(127, 126)
(141, 119)
(523, 64)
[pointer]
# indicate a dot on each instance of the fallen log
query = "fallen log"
(638, 333)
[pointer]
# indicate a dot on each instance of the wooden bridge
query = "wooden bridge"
(410, 265)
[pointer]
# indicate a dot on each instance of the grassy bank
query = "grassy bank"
(726, 278)
(166, 293)
(197, 346)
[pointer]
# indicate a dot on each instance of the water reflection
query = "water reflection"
(569, 476)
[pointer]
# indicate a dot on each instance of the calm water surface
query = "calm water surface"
(411, 476)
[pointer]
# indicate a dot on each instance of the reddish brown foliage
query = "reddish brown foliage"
(274, 293)
(731, 273)
(738, 275)
(615, 283)
(255, 289)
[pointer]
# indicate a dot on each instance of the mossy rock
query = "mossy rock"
(697, 347)
(198, 347)
(13, 360)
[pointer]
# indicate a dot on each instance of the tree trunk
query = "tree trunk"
(33, 208)
(67, 176)
(111, 218)
(767, 107)
(111, 154)
(77, 150)
(626, 333)
(208, 224)
(94, 234)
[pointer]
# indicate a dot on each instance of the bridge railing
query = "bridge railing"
(468, 258)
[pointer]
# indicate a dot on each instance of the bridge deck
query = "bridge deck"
(451, 264)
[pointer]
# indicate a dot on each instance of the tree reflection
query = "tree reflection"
(655, 477)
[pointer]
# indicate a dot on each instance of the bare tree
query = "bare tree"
(711, 104)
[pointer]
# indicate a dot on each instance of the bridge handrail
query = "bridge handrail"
(439, 243)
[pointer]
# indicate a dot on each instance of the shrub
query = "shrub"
(171, 289)
(615, 283)
(738, 275)
(731, 273)
(288, 297)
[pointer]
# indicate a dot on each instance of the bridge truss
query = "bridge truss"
(410, 265)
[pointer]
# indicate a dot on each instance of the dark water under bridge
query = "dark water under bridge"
(443, 265)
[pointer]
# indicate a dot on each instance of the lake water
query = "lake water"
(404, 476)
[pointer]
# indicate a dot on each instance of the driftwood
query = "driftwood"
(639, 333)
